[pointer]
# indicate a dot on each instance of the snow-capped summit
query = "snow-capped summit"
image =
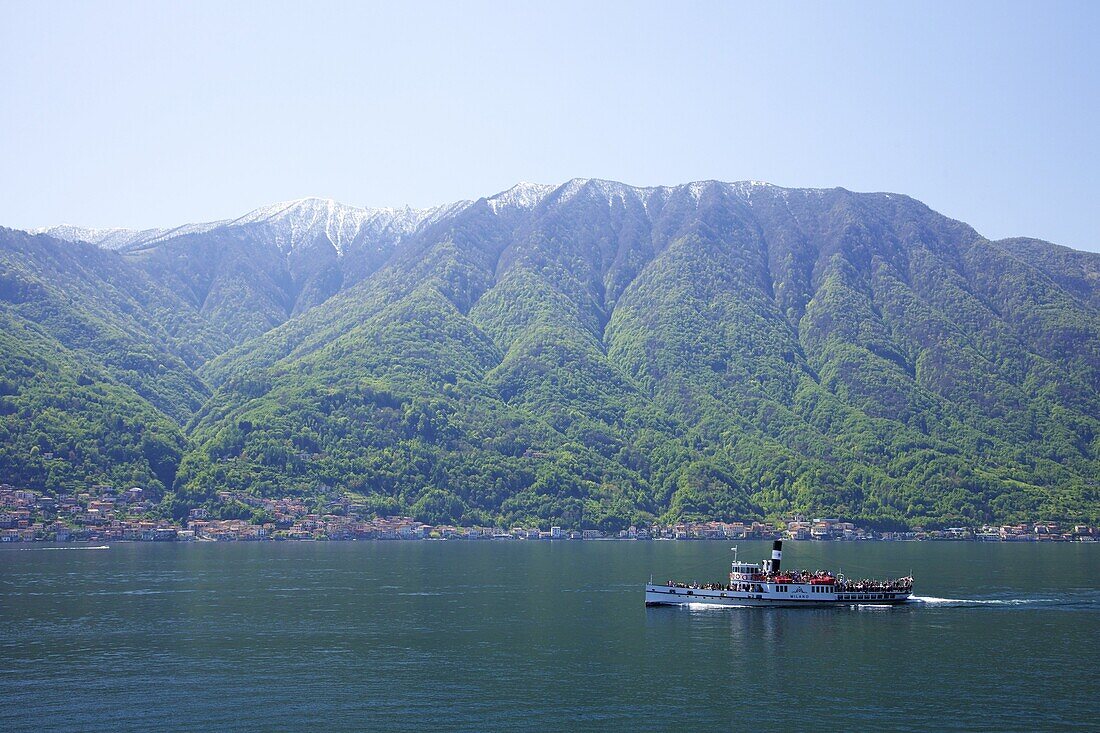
(598, 189)
(288, 225)
(123, 239)
(306, 222)
(114, 238)
(523, 195)
(291, 225)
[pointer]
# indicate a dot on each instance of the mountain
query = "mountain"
(252, 273)
(595, 353)
(97, 367)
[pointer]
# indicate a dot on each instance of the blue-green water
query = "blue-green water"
(502, 635)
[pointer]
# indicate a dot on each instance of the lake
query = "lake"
(499, 635)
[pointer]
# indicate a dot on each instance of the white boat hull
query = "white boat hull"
(798, 596)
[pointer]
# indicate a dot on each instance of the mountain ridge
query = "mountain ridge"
(703, 350)
(522, 195)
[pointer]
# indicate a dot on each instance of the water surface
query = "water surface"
(525, 635)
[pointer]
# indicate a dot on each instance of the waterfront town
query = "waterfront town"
(103, 514)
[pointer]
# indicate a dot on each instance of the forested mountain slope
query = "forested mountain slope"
(96, 367)
(595, 353)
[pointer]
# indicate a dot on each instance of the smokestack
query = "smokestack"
(777, 555)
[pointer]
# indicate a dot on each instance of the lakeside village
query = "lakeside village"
(104, 514)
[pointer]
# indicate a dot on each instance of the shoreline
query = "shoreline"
(97, 542)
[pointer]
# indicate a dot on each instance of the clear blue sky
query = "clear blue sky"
(145, 113)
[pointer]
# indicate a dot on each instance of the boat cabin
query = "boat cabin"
(745, 571)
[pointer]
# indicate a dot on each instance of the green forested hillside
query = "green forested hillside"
(597, 356)
(96, 368)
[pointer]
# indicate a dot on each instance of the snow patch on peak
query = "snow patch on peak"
(614, 190)
(570, 189)
(122, 240)
(308, 210)
(744, 189)
(427, 217)
(598, 188)
(748, 188)
(113, 238)
(524, 196)
(696, 189)
(298, 223)
(288, 225)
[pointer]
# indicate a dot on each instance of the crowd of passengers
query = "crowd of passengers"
(698, 586)
(804, 577)
(875, 586)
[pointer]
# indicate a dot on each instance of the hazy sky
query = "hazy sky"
(145, 113)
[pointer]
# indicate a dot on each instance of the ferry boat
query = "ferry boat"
(766, 584)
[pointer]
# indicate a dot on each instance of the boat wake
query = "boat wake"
(964, 602)
(711, 606)
(94, 547)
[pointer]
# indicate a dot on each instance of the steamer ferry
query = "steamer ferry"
(766, 584)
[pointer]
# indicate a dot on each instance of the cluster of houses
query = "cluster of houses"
(1022, 532)
(104, 513)
(100, 512)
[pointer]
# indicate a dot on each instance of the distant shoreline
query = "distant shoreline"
(98, 543)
